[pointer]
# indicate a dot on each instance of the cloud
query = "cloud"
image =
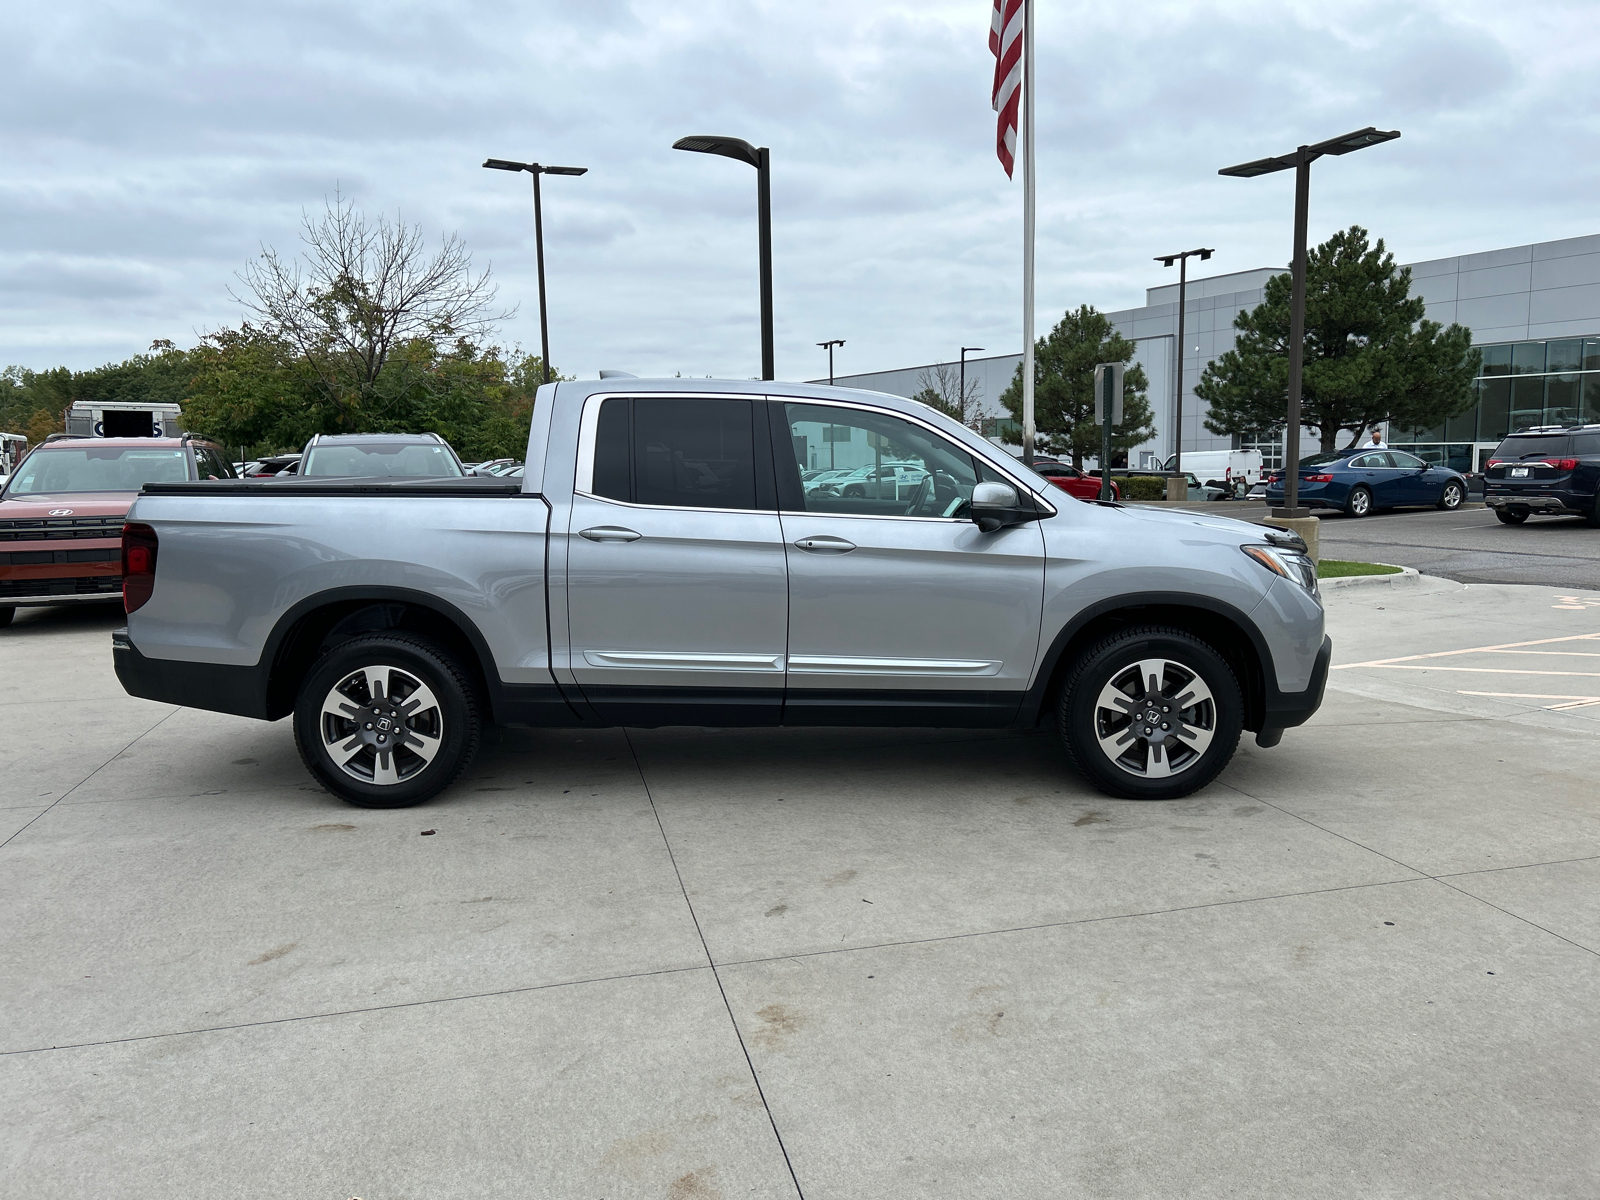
(152, 148)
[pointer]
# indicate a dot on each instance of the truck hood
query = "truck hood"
(67, 504)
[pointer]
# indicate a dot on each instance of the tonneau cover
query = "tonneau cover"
(470, 485)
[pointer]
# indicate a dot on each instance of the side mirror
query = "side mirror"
(995, 506)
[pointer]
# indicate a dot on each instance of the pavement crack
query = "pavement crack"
(715, 973)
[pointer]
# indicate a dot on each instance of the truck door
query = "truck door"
(901, 611)
(677, 595)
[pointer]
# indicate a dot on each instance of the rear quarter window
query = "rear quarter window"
(1586, 445)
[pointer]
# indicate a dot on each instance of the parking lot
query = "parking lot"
(829, 963)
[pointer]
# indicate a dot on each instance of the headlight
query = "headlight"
(1291, 564)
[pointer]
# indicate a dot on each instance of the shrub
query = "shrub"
(1144, 487)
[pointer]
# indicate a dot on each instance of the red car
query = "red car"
(1073, 481)
(61, 513)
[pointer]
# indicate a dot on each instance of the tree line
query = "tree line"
(367, 330)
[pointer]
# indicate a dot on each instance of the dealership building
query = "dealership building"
(1533, 310)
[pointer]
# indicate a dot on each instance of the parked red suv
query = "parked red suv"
(61, 513)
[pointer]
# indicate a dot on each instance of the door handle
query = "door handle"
(825, 544)
(609, 533)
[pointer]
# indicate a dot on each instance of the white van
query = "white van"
(1225, 466)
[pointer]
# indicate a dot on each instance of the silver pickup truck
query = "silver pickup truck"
(666, 559)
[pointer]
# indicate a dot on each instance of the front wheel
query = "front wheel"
(1359, 502)
(1151, 714)
(387, 720)
(1450, 499)
(1511, 516)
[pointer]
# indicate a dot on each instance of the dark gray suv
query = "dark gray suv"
(1553, 470)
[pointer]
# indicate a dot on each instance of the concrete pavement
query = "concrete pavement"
(830, 963)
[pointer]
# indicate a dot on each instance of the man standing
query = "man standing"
(1377, 442)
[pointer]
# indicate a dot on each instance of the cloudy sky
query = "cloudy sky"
(150, 149)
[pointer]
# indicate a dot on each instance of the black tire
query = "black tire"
(6, 615)
(1452, 495)
(854, 493)
(1359, 502)
(1592, 516)
(424, 751)
(1511, 516)
(1089, 728)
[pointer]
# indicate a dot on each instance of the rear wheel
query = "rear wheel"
(386, 721)
(1511, 516)
(5, 616)
(1592, 516)
(1358, 503)
(1450, 499)
(1151, 714)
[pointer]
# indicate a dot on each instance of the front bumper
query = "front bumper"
(1284, 710)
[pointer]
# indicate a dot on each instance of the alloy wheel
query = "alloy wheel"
(381, 725)
(1155, 718)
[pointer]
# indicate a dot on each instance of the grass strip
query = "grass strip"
(1336, 568)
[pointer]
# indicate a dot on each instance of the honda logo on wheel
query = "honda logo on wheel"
(60, 512)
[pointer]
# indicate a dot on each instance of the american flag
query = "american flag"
(1005, 40)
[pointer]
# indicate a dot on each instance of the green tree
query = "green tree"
(1063, 388)
(1369, 355)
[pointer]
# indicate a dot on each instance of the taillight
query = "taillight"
(138, 565)
(1567, 464)
(1316, 478)
(1494, 462)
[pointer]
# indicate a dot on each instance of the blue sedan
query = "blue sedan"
(1356, 481)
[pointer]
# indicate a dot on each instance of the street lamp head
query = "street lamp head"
(834, 342)
(565, 170)
(970, 349)
(1359, 140)
(1166, 260)
(505, 164)
(1205, 254)
(728, 147)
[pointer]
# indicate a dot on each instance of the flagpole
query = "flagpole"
(1027, 232)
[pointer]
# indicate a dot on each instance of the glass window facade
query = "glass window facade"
(1552, 382)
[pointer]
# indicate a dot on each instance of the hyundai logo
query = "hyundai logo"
(60, 512)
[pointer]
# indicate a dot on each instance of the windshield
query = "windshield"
(379, 458)
(1532, 447)
(96, 469)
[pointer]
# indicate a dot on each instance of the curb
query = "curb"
(1406, 575)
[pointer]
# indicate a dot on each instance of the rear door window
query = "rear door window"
(682, 453)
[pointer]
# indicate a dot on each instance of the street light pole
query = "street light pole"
(963, 384)
(1301, 161)
(759, 157)
(536, 170)
(1182, 259)
(828, 346)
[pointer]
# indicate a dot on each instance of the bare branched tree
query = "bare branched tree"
(362, 291)
(940, 387)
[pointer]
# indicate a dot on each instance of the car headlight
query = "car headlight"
(1291, 564)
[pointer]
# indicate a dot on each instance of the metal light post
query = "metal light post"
(760, 158)
(1182, 259)
(536, 170)
(963, 384)
(1301, 161)
(828, 346)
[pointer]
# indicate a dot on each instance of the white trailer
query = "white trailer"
(1223, 466)
(117, 418)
